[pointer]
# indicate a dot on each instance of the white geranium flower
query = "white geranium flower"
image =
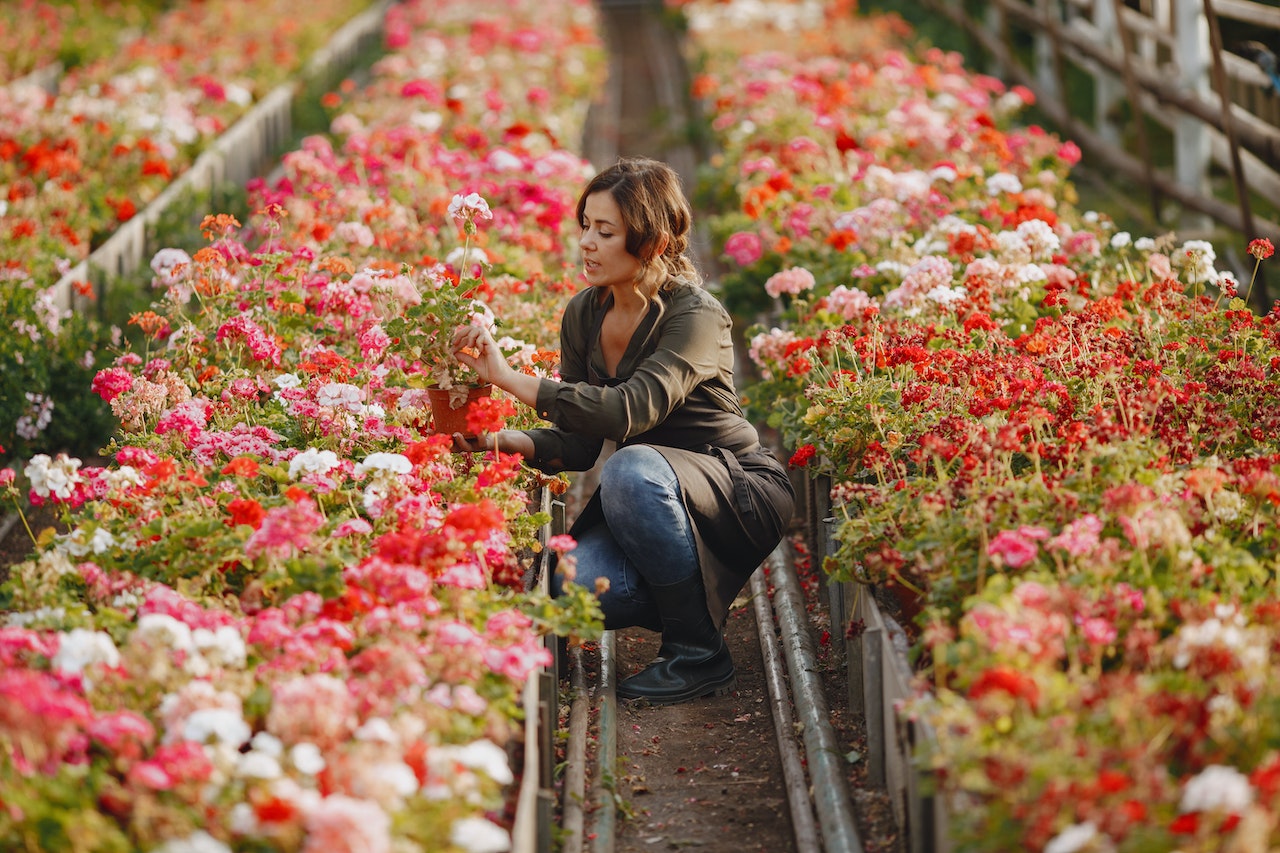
(1078, 837)
(258, 765)
(1003, 182)
(391, 463)
(223, 645)
(197, 842)
(79, 648)
(477, 835)
(218, 725)
(312, 461)
(307, 758)
(53, 477)
(162, 629)
(1217, 788)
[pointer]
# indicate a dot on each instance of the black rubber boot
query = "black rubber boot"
(693, 660)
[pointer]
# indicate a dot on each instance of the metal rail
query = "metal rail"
(802, 820)
(606, 757)
(575, 775)
(830, 785)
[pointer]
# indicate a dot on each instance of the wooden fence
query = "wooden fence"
(1167, 61)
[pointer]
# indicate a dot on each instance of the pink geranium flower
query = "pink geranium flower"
(285, 529)
(315, 709)
(260, 345)
(1080, 536)
(792, 281)
(745, 248)
(343, 824)
(1015, 549)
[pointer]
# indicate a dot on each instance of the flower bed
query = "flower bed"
(1052, 444)
(37, 36)
(89, 157)
(287, 617)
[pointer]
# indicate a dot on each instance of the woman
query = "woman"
(688, 503)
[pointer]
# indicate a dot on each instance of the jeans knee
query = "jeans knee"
(634, 478)
(635, 462)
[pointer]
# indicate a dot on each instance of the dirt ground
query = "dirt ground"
(15, 546)
(702, 774)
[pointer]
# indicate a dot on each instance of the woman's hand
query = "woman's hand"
(475, 347)
(474, 444)
(507, 441)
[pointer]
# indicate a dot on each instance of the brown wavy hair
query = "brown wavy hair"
(654, 210)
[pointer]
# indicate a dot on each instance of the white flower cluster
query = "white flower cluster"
(1079, 837)
(1226, 629)
(312, 461)
(197, 842)
(80, 648)
(384, 463)
(1217, 788)
(785, 16)
(202, 649)
(55, 478)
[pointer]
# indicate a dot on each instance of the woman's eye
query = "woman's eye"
(605, 236)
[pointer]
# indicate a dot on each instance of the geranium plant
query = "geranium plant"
(448, 300)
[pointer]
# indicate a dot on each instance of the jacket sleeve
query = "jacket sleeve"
(686, 352)
(556, 450)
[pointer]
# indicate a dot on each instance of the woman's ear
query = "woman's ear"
(661, 246)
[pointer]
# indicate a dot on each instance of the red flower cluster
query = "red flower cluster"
(803, 456)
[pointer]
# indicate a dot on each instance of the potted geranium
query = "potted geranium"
(448, 300)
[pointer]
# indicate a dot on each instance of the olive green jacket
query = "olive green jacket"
(673, 390)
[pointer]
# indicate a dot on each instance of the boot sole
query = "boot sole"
(723, 689)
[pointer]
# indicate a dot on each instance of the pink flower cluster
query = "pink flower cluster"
(243, 329)
(792, 281)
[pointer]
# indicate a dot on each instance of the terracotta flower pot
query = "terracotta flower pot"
(445, 418)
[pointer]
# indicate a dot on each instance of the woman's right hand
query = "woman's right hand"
(476, 348)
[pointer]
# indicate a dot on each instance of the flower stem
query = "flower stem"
(22, 515)
(1257, 262)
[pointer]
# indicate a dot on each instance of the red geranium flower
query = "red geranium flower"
(1008, 680)
(245, 511)
(801, 457)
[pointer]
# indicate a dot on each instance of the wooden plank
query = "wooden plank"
(1261, 178)
(899, 765)
(934, 822)
(1262, 14)
(1146, 26)
(524, 831)
(855, 672)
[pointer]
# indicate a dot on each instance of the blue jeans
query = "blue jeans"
(647, 537)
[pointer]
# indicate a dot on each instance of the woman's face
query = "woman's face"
(605, 259)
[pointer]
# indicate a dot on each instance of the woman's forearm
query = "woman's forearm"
(522, 386)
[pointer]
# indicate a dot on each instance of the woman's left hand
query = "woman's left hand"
(476, 348)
